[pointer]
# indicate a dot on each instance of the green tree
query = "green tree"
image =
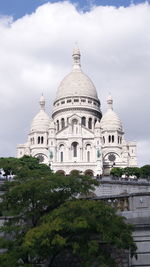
(25, 167)
(145, 171)
(130, 171)
(89, 229)
(136, 171)
(34, 192)
(36, 199)
(116, 172)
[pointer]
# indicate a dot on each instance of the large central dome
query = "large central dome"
(76, 83)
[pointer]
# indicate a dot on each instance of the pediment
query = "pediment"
(74, 117)
(87, 133)
(67, 131)
(63, 133)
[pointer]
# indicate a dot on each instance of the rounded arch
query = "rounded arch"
(109, 139)
(83, 121)
(95, 120)
(88, 145)
(90, 123)
(62, 123)
(74, 121)
(61, 152)
(74, 126)
(57, 125)
(111, 156)
(89, 172)
(41, 157)
(61, 145)
(60, 172)
(74, 146)
(75, 172)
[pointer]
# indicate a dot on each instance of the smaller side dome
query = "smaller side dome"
(110, 120)
(41, 121)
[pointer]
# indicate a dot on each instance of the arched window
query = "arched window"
(74, 126)
(90, 123)
(88, 146)
(88, 156)
(62, 123)
(39, 139)
(95, 121)
(42, 140)
(61, 148)
(74, 122)
(109, 138)
(61, 156)
(74, 147)
(112, 138)
(89, 172)
(57, 125)
(104, 139)
(120, 140)
(83, 121)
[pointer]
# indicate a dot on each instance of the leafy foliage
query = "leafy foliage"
(45, 218)
(145, 171)
(89, 229)
(116, 172)
(128, 171)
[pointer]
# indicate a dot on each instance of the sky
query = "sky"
(36, 42)
(19, 8)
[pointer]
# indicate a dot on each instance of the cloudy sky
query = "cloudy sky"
(36, 42)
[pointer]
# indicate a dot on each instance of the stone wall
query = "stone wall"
(117, 187)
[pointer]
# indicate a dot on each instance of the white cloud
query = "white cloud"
(35, 54)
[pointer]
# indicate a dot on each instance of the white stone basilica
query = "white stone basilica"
(77, 136)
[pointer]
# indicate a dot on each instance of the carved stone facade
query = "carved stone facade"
(77, 136)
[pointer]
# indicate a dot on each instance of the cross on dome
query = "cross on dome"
(76, 83)
(42, 102)
(76, 58)
(110, 102)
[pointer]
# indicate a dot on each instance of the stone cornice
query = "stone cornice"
(63, 109)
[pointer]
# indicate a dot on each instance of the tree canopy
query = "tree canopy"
(45, 217)
(89, 229)
(143, 172)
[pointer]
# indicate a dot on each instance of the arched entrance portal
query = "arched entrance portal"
(89, 172)
(74, 172)
(61, 172)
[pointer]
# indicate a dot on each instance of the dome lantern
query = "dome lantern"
(110, 102)
(76, 59)
(42, 102)
(76, 83)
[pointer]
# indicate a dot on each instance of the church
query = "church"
(77, 136)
